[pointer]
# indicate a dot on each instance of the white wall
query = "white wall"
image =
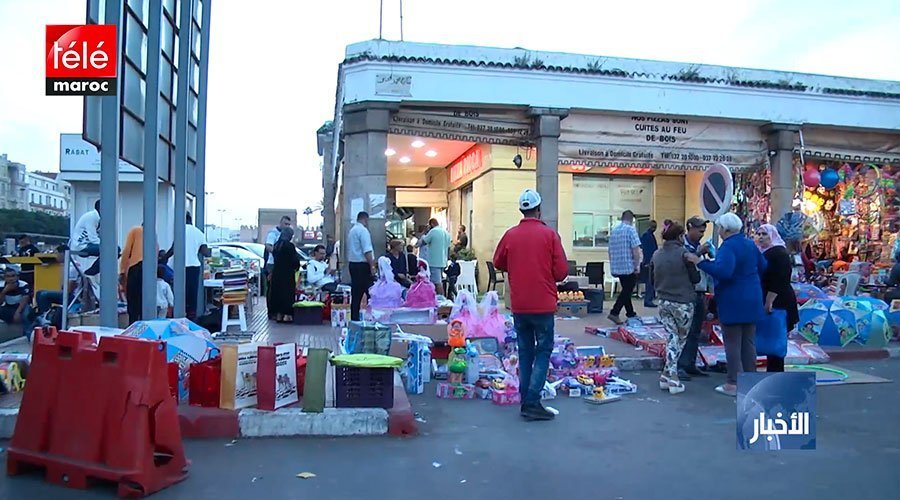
(131, 207)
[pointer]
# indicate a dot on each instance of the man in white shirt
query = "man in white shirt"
(361, 261)
(437, 245)
(195, 247)
(318, 273)
(86, 235)
(625, 259)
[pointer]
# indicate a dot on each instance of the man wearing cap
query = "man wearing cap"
(532, 255)
(687, 363)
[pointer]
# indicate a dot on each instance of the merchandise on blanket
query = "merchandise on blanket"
(816, 354)
(603, 331)
(439, 369)
(649, 320)
(455, 391)
(457, 365)
(473, 370)
(506, 397)
(483, 388)
(238, 383)
(465, 312)
(871, 321)
(550, 389)
(827, 322)
(12, 376)
(340, 315)
(623, 334)
(422, 294)
(510, 329)
(367, 338)
(486, 345)
(386, 293)
(571, 296)
(632, 322)
(511, 367)
(616, 385)
(456, 333)
(715, 334)
(599, 397)
(712, 355)
(276, 376)
(491, 323)
(565, 359)
(654, 347)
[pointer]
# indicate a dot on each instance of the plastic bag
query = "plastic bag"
(386, 293)
(465, 310)
(492, 323)
(422, 294)
(771, 334)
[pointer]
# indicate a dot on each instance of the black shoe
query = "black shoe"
(683, 375)
(536, 411)
(651, 306)
(696, 372)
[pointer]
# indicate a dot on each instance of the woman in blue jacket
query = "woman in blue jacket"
(736, 273)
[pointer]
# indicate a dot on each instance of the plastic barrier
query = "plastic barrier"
(120, 425)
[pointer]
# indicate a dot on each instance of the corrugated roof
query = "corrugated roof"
(637, 69)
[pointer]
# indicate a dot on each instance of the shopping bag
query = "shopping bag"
(238, 387)
(276, 376)
(367, 338)
(771, 334)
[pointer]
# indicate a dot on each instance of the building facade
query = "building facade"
(13, 186)
(458, 132)
(48, 193)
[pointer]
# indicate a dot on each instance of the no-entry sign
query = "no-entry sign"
(716, 191)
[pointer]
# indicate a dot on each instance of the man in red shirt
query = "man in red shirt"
(533, 257)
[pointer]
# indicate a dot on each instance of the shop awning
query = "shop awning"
(659, 142)
(420, 198)
(844, 146)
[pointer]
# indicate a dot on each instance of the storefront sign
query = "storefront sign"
(468, 165)
(841, 145)
(393, 84)
(461, 124)
(636, 196)
(658, 142)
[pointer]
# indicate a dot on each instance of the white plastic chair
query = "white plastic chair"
(610, 283)
(466, 280)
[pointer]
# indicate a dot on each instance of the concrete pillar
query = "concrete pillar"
(325, 140)
(365, 168)
(546, 135)
(780, 141)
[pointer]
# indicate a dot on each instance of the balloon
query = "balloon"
(829, 178)
(811, 178)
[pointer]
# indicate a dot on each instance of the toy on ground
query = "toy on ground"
(570, 296)
(827, 322)
(511, 366)
(465, 310)
(456, 333)
(607, 361)
(456, 365)
(616, 385)
(871, 322)
(567, 359)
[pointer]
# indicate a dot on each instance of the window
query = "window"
(598, 202)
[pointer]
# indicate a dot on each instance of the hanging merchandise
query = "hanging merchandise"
(752, 193)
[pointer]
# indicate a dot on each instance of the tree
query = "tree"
(14, 222)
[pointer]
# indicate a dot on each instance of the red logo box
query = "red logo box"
(81, 59)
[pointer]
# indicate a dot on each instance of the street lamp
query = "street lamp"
(221, 221)
(307, 212)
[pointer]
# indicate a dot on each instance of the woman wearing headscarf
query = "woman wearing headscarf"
(776, 283)
(284, 277)
(736, 273)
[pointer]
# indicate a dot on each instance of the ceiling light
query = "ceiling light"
(389, 152)
(405, 159)
(431, 153)
(418, 143)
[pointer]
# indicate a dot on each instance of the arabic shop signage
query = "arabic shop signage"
(467, 165)
(658, 142)
(462, 124)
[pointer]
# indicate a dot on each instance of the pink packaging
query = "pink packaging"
(450, 391)
(506, 397)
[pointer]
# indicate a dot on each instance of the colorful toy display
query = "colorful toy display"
(570, 296)
(827, 322)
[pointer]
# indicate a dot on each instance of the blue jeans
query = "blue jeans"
(535, 338)
(45, 300)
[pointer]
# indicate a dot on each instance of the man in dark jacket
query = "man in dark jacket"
(532, 255)
(648, 247)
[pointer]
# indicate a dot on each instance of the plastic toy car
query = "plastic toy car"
(585, 380)
(499, 385)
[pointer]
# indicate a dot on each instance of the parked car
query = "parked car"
(258, 249)
(239, 253)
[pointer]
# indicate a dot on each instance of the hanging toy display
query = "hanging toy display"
(829, 178)
(811, 177)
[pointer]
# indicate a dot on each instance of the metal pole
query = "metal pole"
(151, 168)
(109, 188)
(200, 184)
(181, 150)
(380, 19)
(401, 20)
(64, 322)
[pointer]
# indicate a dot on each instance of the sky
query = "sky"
(273, 66)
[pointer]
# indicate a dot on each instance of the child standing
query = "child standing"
(164, 297)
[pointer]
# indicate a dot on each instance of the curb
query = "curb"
(401, 419)
(863, 354)
(331, 422)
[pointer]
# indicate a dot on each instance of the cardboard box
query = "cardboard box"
(436, 332)
(418, 362)
(450, 391)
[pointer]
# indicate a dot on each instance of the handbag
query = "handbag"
(771, 334)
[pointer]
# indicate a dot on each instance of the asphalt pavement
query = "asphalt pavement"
(649, 446)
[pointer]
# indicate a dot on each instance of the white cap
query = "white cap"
(529, 200)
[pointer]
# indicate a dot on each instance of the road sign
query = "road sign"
(716, 191)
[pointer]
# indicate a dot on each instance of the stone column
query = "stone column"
(546, 135)
(325, 140)
(365, 169)
(780, 141)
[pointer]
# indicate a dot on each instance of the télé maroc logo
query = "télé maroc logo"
(81, 59)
